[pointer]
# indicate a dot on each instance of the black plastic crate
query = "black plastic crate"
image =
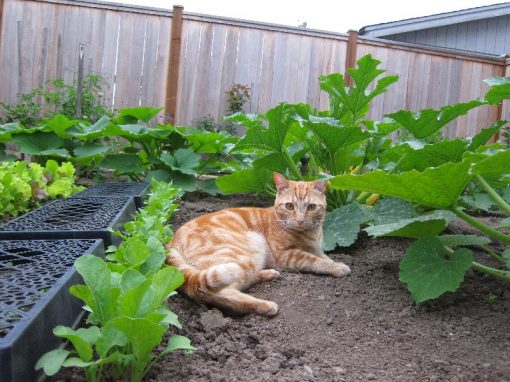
(73, 218)
(35, 276)
(138, 191)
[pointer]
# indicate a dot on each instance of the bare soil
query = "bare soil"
(361, 327)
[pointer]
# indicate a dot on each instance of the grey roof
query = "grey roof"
(433, 21)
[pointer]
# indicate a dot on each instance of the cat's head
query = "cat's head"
(299, 206)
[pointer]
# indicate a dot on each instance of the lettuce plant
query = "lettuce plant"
(125, 297)
(23, 185)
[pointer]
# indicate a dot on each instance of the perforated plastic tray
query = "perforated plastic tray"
(136, 190)
(35, 276)
(73, 218)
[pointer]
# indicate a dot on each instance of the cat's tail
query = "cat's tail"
(199, 281)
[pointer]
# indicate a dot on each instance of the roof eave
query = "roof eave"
(435, 21)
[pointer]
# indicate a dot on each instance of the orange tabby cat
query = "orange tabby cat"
(224, 252)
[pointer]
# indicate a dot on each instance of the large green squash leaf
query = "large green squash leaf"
(269, 138)
(253, 180)
(431, 155)
(58, 125)
(437, 187)
(89, 150)
(493, 166)
(391, 210)
(499, 91)
(8, 129)
(485, 134)
(428, 273)
(350, 104)
(135, 114)
(38, 142)
(335, 137)
(103, 127)
(182, 160)
(123, 163)
(426, 122)
(413, 227)
(341, 226)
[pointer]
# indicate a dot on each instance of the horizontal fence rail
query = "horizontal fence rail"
(129, 47)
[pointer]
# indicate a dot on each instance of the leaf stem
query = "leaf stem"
(341, 195)
(493, 194)
(503, 275)
(397, 165)
(292, 165)
(482, 227)
(492, 253)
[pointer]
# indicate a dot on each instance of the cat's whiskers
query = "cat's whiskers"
(283, 224)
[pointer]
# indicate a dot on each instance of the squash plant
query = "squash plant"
(128, 144)
(307, 144)
(125, 297)
(434, 177)
(304, 143)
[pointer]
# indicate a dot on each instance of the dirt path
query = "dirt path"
(358, 328)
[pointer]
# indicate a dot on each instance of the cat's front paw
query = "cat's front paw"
(340, 269)
(267, 308)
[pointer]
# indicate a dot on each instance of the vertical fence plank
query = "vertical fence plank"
(109, 59)
(148, 76)
(228, 71)
(316, 57)
(266, 71)
(1, 25)
(162, 64)
(217, 57)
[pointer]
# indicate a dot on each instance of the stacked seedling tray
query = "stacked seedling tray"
(138, 191)
(37, 253)
(73, 218)
(35, 276)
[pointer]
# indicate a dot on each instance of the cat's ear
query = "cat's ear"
(280, 182)
(320, 185)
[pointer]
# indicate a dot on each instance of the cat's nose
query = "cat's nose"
(300, 222)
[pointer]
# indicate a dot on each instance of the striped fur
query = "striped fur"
(225, 252)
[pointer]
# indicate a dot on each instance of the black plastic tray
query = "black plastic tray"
(35, 276)
(138, 191)
(73, 218)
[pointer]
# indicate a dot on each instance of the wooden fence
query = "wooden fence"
(129, 47)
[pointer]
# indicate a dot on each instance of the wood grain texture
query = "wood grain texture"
(128, 46)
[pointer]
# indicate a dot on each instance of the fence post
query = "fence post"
(350, 58)
(172, 81)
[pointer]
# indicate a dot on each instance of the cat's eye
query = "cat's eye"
(289, 206)
(311, 207)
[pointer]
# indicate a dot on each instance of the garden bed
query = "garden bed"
(361, 327)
